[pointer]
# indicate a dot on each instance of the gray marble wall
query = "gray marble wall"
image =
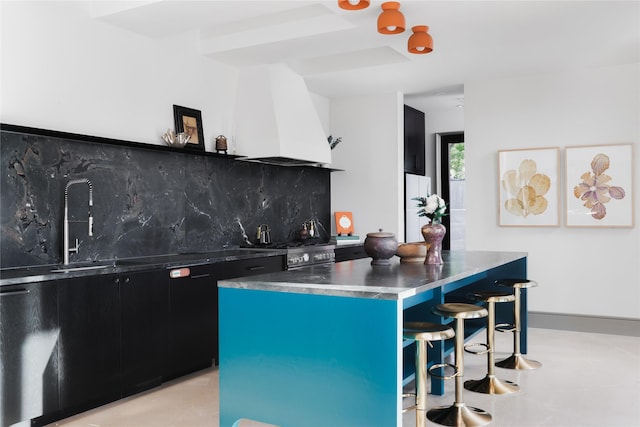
(146, 201)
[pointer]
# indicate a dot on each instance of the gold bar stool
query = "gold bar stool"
(490, 384)
(517, 360)
(423, 333)
(459, 414)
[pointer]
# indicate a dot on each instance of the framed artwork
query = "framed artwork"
(599, 186)
(189, 121)
(344, 223)
(528, 191)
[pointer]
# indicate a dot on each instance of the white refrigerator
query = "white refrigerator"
(415, 186)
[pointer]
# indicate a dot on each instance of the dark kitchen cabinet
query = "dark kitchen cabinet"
(194, 320)
(144, 305)
(194, 310)
(28, 351)
(349, 252)
(113, 336)
(414, 141)
(89, 312)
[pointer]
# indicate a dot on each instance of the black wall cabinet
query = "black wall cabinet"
(414, 140)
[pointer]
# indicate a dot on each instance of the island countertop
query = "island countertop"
(358, 278)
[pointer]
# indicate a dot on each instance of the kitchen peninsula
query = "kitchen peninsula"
(322, 345)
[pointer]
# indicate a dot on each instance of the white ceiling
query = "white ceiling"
(339, 52)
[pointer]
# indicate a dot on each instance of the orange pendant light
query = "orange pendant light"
(391, 20)
(420, 41)
(353, 5)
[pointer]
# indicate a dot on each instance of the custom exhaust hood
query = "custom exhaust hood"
(275, 119)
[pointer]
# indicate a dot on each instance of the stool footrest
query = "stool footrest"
(484, 348)
(443, 365)
(505, 327)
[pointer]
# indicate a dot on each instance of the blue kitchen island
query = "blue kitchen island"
(322, 345)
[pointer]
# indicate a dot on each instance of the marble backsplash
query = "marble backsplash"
(146, 201)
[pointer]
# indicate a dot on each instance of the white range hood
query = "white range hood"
(275, 119)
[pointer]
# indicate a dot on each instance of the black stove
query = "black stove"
(301, 253)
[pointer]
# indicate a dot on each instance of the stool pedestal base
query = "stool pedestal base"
(459, 415)
(491, 385)
(519, 362)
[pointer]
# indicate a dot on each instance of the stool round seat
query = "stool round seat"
(426, 331)
(492, 296)
(460, 310)
(516, 283)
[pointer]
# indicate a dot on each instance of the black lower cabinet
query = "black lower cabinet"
(144, 305)
(28, 352)
(194, 320)
(113, 337)
(89, 312)
(350, 252)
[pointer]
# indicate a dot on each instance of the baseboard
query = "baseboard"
(580, 323)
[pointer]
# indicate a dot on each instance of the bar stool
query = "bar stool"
(490, 384)
(459, 414)
(423, 333)
(516, 360)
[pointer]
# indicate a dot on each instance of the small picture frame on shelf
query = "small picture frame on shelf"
(189, 121)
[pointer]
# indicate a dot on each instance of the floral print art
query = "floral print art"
(526, 188)
(595, 189)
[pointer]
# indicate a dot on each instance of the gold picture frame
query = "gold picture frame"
(599, 186)
(528, 187)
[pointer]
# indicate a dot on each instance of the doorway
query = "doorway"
(450, 186)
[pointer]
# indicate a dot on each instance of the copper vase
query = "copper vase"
(433, 235)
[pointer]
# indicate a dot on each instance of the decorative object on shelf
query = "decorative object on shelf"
(391, 20)
(189, 121)
(381, 247)
(432, 207)
(414, 252)
(529, 193)
(599, 186)
(221, 144)
(334, 142)
(353, 4)
(344, 223)
(175, 139)
(433, 235)
(420, 41)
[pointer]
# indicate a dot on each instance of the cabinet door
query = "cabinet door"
(194, 321)
(89, 312)
(414, 141)
(249, 267)
(28, 351)
(349, 252)
(144, 301)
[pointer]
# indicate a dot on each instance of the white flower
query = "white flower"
(432, 204)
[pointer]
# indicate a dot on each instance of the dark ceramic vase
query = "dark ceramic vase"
(433, 235)
(381, 247)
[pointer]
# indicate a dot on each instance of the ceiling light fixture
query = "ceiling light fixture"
(353, 4)
(391, 20)
(420, 41)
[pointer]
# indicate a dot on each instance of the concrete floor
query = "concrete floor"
(586, 380)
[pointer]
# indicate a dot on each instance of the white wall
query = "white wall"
(587, 271)
(63, 70)
(371, 185)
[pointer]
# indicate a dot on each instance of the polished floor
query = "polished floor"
(586, 380)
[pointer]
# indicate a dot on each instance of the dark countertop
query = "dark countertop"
(40, 273)
(358, 278)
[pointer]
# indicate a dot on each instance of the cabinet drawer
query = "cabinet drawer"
(348, 253)
(251, 267)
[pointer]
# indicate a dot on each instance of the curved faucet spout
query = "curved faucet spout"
(66, 249)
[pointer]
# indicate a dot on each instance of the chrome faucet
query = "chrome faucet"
(66, 249)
